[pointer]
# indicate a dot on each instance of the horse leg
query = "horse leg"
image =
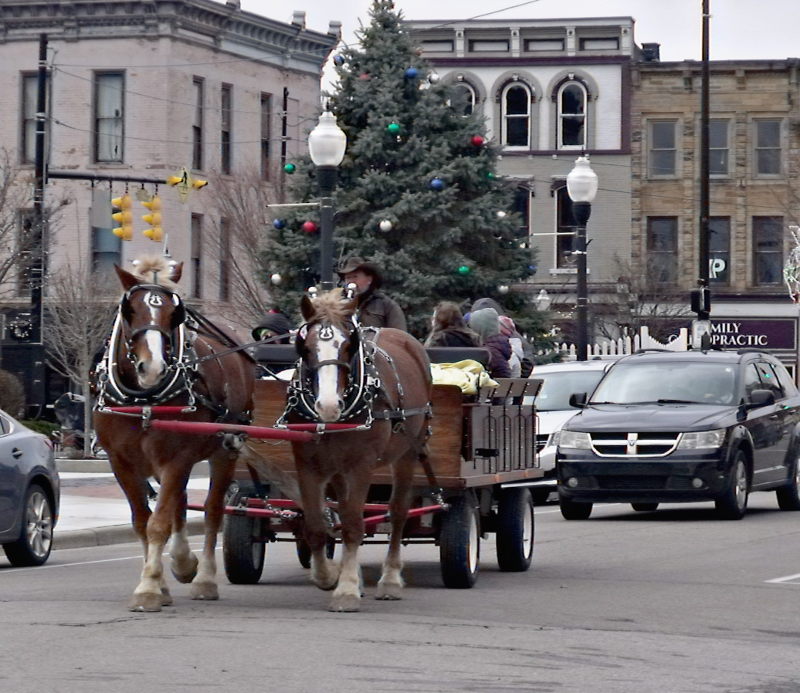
(148, 595)
(324, 572)
(352, 495)
(204, 586)
(390, 586)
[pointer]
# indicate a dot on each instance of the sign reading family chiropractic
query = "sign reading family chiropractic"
(774, 334)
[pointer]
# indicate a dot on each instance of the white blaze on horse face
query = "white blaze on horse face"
(329, 403)
(151, 369)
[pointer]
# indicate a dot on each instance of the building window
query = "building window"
(225, 126)
(768, 147)
(599, 44)
(488, 46)
(516, 104)
(718, 151)
(109, 117)
(719, 250)
(224, 260)
(663, 150)
(662, 249)
(196, 232)
(27, 243)
(767, 251)
(534, 45)
(197, 124)
(30, 92)
(572, 99)
(565, 229)
(465, 99)
(522, 205)
(266, 134)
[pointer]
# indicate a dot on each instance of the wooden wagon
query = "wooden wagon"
(479, 446)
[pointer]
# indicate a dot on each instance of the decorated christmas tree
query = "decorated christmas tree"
(418, 192)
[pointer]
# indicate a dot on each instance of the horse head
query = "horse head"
(327, 345)
(152, 311)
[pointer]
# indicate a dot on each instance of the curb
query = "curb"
(115, 534)
(94, 466)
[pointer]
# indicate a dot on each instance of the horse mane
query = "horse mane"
(155, 269)
(329, 307)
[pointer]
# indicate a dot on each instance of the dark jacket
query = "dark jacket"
(500, 351)
(453, 337)
(376, 309)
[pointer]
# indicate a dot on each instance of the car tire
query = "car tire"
(460, 543)
(789, 495)
(572, 510)
(243, 549)
(732, 504)
(36, 534)
(644, 507)
(515, 533)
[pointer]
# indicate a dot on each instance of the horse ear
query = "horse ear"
(128, 280)
(177, 270)
(307, 308)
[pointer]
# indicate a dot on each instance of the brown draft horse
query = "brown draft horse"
(155, 356)
(356, 375)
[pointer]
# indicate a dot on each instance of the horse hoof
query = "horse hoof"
(185, 576)
(345, 603)
(204, 590)
(166, 597)
(390, 593)
(146, 601)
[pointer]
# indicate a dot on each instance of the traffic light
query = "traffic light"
(123, 215)
(701, 303)
(172, 181)
(155, 232)
(197, 184)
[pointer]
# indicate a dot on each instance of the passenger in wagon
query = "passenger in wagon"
(375, 308)
(273, 324)
(486, 323)
(449, 329)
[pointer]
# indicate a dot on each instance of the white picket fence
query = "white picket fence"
(627, 345)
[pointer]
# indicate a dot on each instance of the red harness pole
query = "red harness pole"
(205, 428)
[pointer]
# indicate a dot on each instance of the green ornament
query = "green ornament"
(393, 128)
(290, 168)
(464, 269)
(491, 175)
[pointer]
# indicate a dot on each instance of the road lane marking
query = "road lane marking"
(789, 579)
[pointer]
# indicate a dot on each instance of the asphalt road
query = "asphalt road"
(669, 601)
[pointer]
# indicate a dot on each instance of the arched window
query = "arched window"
(571, 101)
(465, 98)
(516, 107)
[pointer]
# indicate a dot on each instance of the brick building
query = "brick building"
(142, 88)
(754, 196)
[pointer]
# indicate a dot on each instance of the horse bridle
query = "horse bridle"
(155, 292)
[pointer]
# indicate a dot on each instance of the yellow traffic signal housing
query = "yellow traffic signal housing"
(155, 232)
(123, 216)
(197, 184)
(174, 180)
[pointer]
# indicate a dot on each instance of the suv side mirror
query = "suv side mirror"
(761, 398)
(578, 400)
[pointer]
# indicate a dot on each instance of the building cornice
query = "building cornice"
(220, 25)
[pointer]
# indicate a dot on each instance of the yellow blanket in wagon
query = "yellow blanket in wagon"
(469, 375)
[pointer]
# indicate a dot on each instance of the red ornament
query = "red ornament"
(477, 140)
(309, 226)
(364, 75)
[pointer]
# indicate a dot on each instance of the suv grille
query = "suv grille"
(634, 444)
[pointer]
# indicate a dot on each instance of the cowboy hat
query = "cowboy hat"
(351, 264)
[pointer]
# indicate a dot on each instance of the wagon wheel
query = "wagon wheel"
(243, 549)
(459, 543)
(515, 530)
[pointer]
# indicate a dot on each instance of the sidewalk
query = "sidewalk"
(94, 511)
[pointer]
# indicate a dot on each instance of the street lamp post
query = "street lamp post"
(326, 144)
(582, 188)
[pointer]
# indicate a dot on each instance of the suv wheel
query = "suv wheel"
(571, 510)
(789, 495)
(36, 535)
(732, 504)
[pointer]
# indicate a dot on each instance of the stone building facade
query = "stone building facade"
(551, 90)
(754, 136)
(145, 88)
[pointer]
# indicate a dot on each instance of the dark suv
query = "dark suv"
(675, 427)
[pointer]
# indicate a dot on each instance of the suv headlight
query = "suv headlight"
(575, 440)
(702, 439)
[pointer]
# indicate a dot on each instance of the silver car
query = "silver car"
(29, 493)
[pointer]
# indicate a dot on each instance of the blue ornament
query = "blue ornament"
(338, 60)
(437, 184)
(531, 268)
(279, 223)
(411, 73)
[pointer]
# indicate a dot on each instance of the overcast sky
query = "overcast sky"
(740, 29)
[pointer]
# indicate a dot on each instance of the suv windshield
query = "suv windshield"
(558, 386)
(685, 381)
